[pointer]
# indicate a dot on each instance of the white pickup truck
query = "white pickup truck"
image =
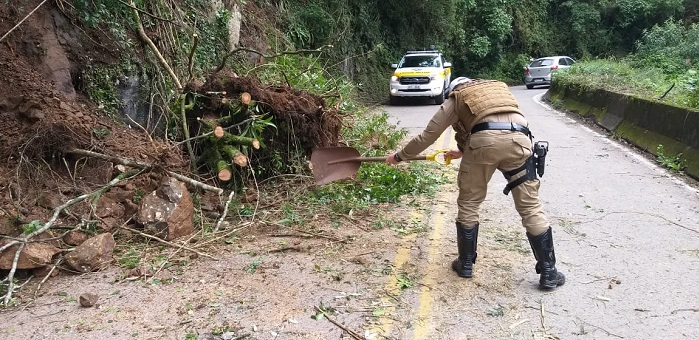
(420, 74)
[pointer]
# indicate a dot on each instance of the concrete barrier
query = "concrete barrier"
(643, 123)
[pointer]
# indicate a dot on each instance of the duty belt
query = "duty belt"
(501, 126)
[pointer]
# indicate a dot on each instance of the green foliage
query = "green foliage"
(138, 195)
(31, 227)
(405, 281)
(252, 267)
(309, 25)
(371, 133)
(100, 133)
(100, 82)
(673, 163)
(308, 73)
(615, 75)
(668, 47)
(113, 15)
(496, 311)
(130, 259)
(641, 80)
(509, 69)
(379, 183)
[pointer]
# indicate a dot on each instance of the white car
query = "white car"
(539, 71)
(420, 74)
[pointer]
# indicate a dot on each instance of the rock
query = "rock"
(143, 270)
(35, 115)
(8, 228)
(93, 254)
(130, 208)
(88, 299)
(44, 271)
(49, 200)
(75, 238)
(34, 255)
(107, 207)
(167, 212)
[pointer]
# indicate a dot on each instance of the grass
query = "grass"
(623, 76)
(674, 163)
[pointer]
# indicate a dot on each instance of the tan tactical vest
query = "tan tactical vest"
(478, 99)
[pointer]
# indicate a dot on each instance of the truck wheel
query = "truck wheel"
(393, 100)
(530, 86)
(438, 100)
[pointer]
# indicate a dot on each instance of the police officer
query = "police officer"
(491, 134)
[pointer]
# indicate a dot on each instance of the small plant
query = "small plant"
(130, 260)
(31, 227)
(405, 281)
(383, 223)
(100, 133)
(497, 311)
(322, 311)
(252, 267)
(138, 195)
(673, 163)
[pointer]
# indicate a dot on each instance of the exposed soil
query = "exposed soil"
(44, 117)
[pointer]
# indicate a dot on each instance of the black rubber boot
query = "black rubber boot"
(542, 246)
(467, 239)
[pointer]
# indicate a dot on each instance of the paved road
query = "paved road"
(627, 237)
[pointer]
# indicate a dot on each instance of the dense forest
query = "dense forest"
(483, 38)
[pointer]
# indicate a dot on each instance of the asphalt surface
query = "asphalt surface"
(626, 235)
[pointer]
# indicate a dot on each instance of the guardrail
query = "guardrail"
(643, 123)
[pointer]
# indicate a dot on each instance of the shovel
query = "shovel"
(335, 163)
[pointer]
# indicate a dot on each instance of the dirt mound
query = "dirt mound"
(44, 119)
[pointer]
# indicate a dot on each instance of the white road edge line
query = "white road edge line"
(634, 154)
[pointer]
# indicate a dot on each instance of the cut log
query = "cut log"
(219, 132)
(224, 171)
(234, 154)
(241, 160)
(218, 165)
(230, 138)
(245, 98)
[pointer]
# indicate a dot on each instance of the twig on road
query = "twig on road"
(225, 211)
(603, 330)
(349, 331)
(685, 310)
(168, 242)
(641, 213)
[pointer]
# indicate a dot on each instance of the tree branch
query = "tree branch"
(239, 49)
(146, 166)
(142, 34)
(21, 21)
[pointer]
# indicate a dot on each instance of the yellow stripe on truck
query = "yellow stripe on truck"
(411, 74)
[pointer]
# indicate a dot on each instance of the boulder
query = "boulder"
(75, 238)
(167, 212)
(34, 255)
(93, 254)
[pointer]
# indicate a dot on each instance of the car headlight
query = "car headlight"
(435, 76)
(394, 78)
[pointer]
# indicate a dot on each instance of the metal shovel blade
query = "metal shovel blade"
(334, 163)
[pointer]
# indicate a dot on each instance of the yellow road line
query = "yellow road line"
(386, 322)
(423, 326)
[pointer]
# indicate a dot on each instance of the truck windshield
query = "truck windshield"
(420, 61)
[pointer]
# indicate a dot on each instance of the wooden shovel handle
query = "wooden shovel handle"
(371, 159)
